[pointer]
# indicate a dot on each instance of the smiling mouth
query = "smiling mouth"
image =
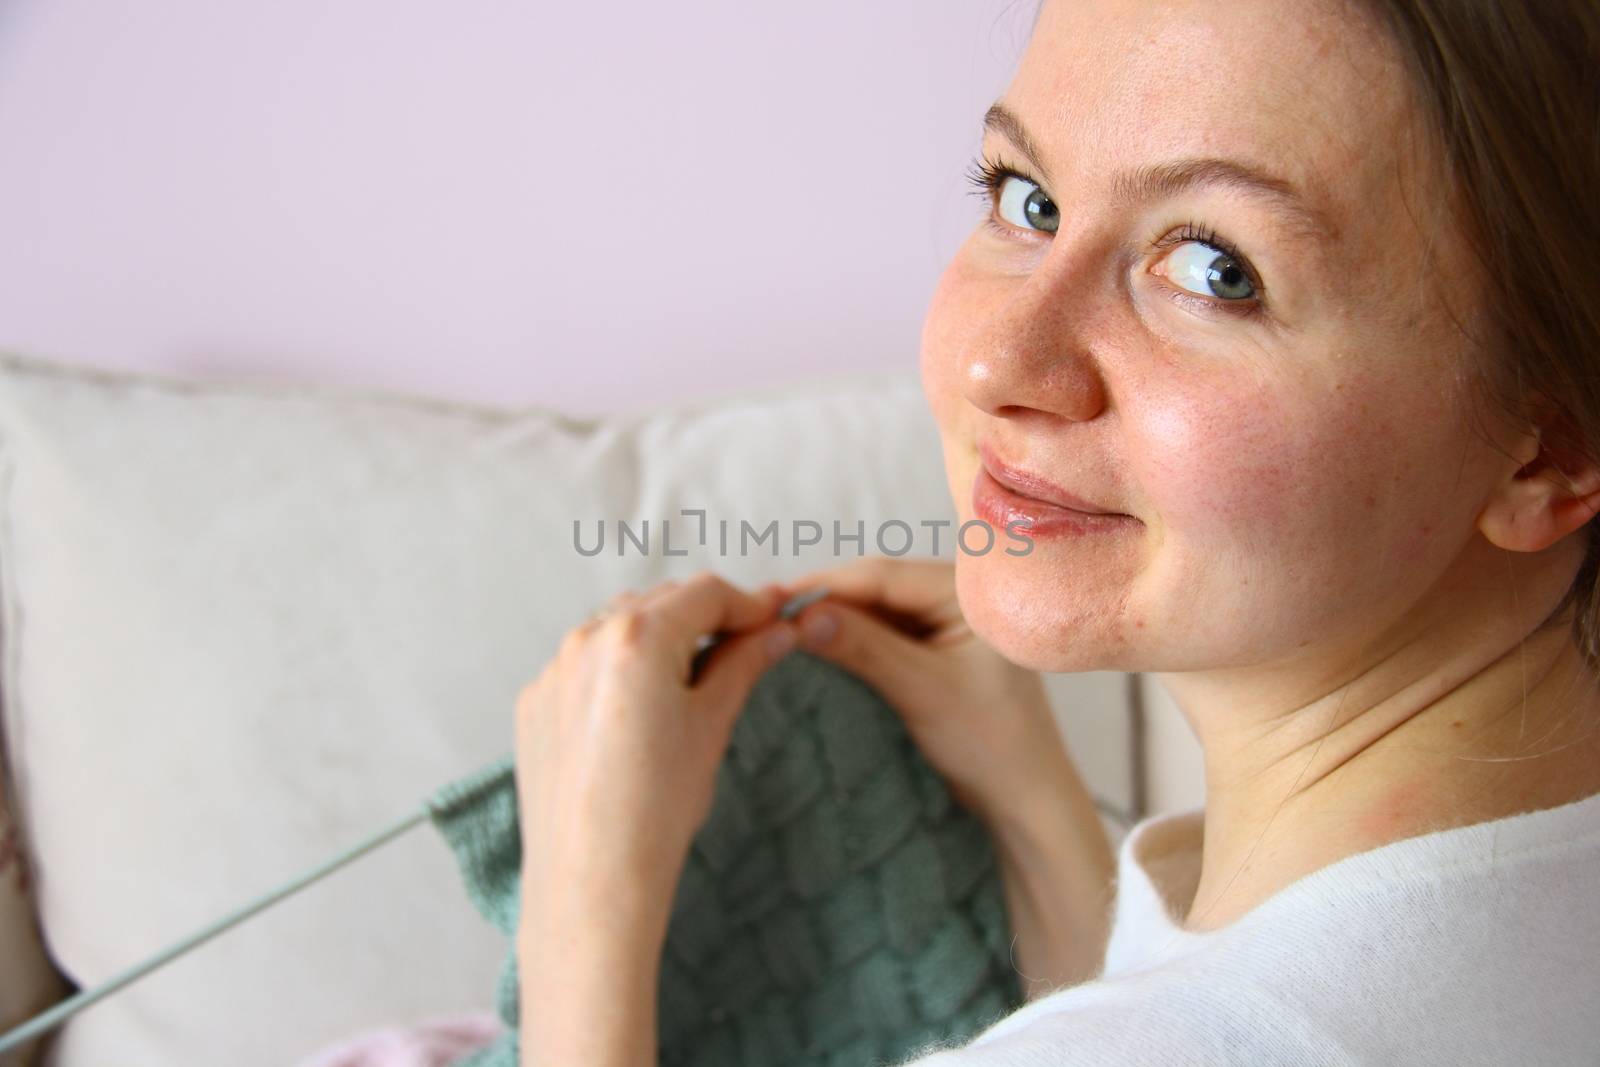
(1026, 484)
(1029, 517)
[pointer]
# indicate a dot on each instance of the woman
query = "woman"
(1292, 296)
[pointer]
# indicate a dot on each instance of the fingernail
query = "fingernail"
(780, 643)
(820, 626)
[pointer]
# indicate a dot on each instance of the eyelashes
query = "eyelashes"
(987, 177)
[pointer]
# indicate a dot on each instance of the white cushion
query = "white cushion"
(246, 625)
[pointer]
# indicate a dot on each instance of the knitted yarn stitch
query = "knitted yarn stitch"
(837, 909)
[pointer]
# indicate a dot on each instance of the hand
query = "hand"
(617, 754)
(986, 726)
(980, 720)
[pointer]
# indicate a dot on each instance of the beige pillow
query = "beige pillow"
(246, 625)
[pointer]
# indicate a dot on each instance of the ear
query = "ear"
(1554, 491)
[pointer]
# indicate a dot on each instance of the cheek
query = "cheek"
(1288, 503)
(1214, 465)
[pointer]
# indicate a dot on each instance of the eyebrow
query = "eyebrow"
(1157, 181)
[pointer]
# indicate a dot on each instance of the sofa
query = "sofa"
(246, 624)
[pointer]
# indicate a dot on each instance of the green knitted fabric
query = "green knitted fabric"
(837, 909)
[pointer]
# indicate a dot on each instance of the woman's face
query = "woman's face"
(1287, 427)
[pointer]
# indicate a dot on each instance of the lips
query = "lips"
(1026, 484)
(1005, 509)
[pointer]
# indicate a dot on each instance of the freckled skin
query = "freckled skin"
(1334, 563)
(1286, 468)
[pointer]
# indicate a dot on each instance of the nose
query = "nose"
(1035, 352)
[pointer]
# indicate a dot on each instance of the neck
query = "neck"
(1464, 713)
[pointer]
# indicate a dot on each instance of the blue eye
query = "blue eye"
(1015, 197)
(1208, 271)
(1023, 204)
(1205, 266)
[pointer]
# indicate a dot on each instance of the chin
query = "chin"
(1015, 606)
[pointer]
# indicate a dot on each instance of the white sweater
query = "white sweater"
(1474, 945)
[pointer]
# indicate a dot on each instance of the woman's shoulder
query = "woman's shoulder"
(1481, 868)
(1438, 948)
(1147, 1019)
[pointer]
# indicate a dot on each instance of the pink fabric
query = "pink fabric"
(430, 1043)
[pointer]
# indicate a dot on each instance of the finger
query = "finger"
(788, 609)
(903, 590)
(737, 664)
(625, 601)
(657, 591)
(709, 604)
(622, 600)
(877, 652)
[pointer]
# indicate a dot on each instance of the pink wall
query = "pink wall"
(586, 205)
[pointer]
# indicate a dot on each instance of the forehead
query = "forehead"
(1306, 89)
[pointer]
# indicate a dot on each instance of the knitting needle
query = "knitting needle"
(791, 608)
(48, 1020)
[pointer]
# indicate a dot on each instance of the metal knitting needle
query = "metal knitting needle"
(791, 608)
(55, 1016)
